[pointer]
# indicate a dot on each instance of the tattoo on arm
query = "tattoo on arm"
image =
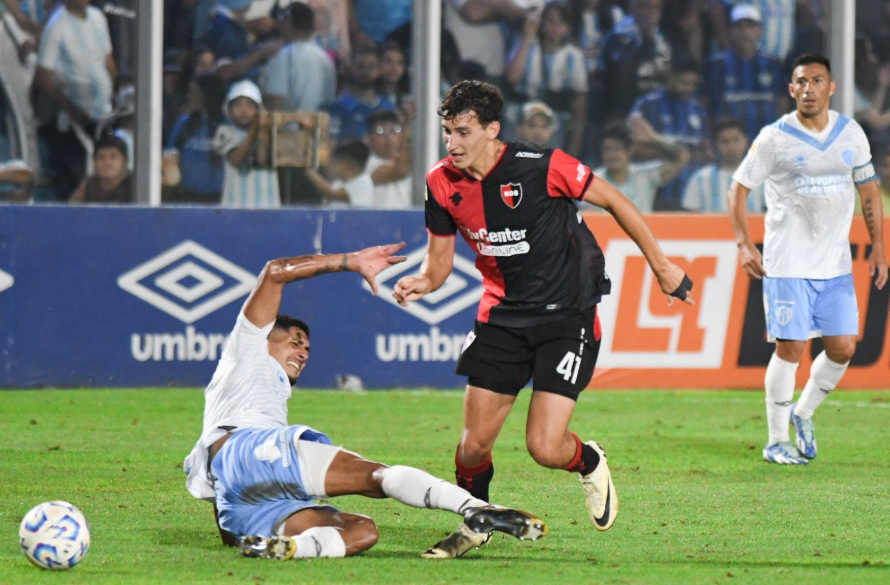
(344, 263)
(869, 215)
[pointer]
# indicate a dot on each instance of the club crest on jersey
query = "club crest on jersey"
(847, 156)
(512, 194)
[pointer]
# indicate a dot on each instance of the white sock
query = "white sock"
(420, 489)
(321, 541)
(824, 376)
(779, 384)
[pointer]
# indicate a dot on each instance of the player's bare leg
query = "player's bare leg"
(827, 370)
(552, 445)
(779, 385)
(484, 415)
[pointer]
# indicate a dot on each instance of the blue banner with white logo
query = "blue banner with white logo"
(134, 297)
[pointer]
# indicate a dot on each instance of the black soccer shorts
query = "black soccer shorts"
(560, 356)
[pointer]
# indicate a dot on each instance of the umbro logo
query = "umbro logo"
(456, 199)
(6, 281)
(188, 281)
(525, 154)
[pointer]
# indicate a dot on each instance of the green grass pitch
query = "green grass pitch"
(697, 503)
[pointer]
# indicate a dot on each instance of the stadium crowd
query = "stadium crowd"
(661, 97)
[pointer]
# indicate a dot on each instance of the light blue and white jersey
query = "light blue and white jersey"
(563, 70)
(244, 187)
(778, 24)
(76, 51)
(810, 193)
(708, 192)
(249, 389)
(643, 181)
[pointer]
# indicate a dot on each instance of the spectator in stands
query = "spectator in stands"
(708, 188)
(546, 65)
(16, 181)
(124, 119)
(350, 111)
(245, 185)
(676, 114)
(199, 168)
(301, 76)
(638, 181)
(390, 162)
(744, 83)
(872, 85)
(332, 27)
(635, 59)
(684, 24)
(591, 22)
(75, 69)
(537, 124)
(229, 40)
(110, 182)
(351, 183)
(476, 26)
(373, 20)
(19, 29)
(813, 37)
(394, 84)
(777, 20)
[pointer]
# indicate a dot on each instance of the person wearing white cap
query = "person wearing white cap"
(244, 185)
(537, 124)
(776, 17)
(744, 82)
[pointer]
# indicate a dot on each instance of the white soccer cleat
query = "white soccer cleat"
(456, 544)
(805, 433)
(602, 500)
(784, 453)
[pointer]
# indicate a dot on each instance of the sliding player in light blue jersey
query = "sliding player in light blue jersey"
(813, 161)
(265, 478)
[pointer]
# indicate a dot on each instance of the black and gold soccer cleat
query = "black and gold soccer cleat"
(516, 523)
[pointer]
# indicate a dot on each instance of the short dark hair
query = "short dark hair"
(383, 117)
(811, 59)
(353, 152)
(724, 124)
(302, 17)
(111, 141)
(482, 98)
(619, 132)
(285, 322)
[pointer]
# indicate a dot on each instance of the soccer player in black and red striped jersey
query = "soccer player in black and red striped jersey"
(544, 274)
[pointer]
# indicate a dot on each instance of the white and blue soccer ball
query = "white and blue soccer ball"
(55, 535)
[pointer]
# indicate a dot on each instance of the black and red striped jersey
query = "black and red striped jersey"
(538, 259)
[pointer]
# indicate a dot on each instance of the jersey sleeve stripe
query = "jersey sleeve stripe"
(864, 173)
(432, 233)
(585, 187)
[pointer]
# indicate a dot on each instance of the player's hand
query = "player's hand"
(877, 267)
(411, 288)
(671, 279)
(752, 261)
(371, 261)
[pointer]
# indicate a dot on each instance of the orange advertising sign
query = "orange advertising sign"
(720, 342)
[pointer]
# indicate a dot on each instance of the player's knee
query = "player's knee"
(361, 534)
(841, 353)
(544, 452)
(474, 451)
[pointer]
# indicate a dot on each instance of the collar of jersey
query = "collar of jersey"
(790, 130)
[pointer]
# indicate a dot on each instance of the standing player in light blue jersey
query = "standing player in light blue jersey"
(265, 477)
(813, 161)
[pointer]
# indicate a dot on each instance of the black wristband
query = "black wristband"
(683, 290)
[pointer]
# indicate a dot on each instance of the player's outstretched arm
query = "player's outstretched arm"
(872, 211)
(671, 278)
(263, 304)
(749, 255)
(433, 272)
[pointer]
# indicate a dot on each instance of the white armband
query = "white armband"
(865, 173)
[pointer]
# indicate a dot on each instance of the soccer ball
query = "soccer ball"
(54, 535)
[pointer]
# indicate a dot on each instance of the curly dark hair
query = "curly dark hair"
(482, 98)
